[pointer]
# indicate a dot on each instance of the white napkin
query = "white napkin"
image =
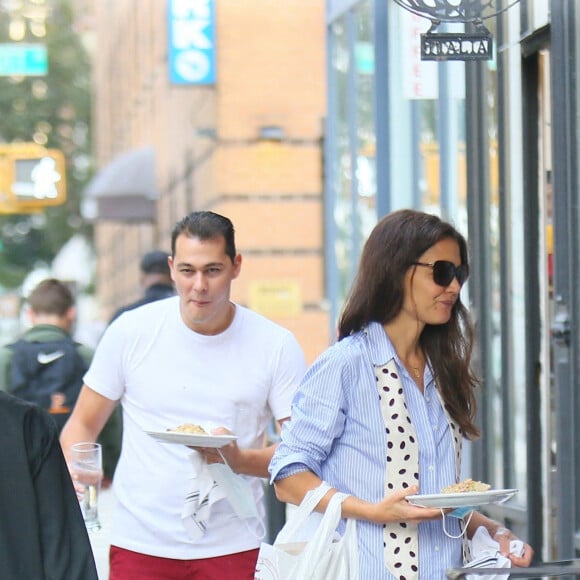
(210, 484)
(236, 489)
(204, 493)
(485, 552)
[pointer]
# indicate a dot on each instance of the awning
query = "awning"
(125, 189)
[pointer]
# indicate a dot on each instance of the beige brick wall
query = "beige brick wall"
(273, 168)
(272, 67)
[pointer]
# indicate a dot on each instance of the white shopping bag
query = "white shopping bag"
(320, 558)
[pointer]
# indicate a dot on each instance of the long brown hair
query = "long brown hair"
(377, 294)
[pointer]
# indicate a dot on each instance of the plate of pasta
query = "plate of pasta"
(191, 435)
(467, 493)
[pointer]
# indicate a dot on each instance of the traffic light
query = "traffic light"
(31, 178)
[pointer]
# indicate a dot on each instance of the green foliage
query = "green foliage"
(58, 106)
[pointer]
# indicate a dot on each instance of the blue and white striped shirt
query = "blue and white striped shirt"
(337, 432)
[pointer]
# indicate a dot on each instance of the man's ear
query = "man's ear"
(171, 267)
(237, 265)
(30, 315)
(70, 315)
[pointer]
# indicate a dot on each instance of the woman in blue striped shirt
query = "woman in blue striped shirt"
(381, 414)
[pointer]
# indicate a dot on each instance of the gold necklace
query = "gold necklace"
(416, 372)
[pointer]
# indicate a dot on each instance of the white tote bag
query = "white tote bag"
(321, 557)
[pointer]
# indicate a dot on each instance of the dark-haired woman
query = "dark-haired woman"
(381, 415)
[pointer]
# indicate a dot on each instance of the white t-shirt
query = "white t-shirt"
(165, 374)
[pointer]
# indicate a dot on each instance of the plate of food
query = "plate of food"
(192, 435)
(467, 493)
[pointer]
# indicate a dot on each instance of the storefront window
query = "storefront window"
(427, 129)
(354, 177)
(342, 178)
(365, 126)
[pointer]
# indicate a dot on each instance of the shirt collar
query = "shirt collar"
(380, 346)
(382, 351)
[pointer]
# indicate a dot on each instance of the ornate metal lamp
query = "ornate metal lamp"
(477, 45)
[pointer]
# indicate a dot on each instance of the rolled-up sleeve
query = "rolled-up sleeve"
(317, 420)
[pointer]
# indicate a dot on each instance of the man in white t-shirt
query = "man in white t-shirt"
(197, 358)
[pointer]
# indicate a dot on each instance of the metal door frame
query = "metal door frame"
(565, 67)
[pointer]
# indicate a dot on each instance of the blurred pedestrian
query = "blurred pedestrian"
(197, 359)
(42, 531)
(382, 413)
(155, 280)
(46, 365)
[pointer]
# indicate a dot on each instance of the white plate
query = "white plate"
(464, 499)
(192, 439)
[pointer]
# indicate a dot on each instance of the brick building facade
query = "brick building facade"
(248, 146)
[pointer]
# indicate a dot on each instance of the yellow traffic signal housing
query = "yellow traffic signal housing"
(31, 178)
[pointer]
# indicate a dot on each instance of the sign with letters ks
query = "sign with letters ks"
(191, 36)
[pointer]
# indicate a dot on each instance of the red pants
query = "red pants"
(127, 565)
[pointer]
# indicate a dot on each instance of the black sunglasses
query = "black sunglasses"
(444, 272)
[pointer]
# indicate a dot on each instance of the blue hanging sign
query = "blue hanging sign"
(20, 59)
(191, 36)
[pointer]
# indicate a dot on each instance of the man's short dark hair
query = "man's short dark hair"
(206, 225)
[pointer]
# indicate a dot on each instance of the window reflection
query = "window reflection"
(355, 176)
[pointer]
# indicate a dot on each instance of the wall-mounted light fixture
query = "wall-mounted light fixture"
(271, 133)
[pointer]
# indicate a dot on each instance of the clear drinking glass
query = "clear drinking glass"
(87, 466)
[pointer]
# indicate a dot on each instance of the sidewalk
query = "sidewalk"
(100, 539)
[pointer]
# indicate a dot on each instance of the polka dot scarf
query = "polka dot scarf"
(401, 539)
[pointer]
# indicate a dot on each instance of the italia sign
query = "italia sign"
(447, 46)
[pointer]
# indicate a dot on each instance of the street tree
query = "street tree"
(52, 111)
